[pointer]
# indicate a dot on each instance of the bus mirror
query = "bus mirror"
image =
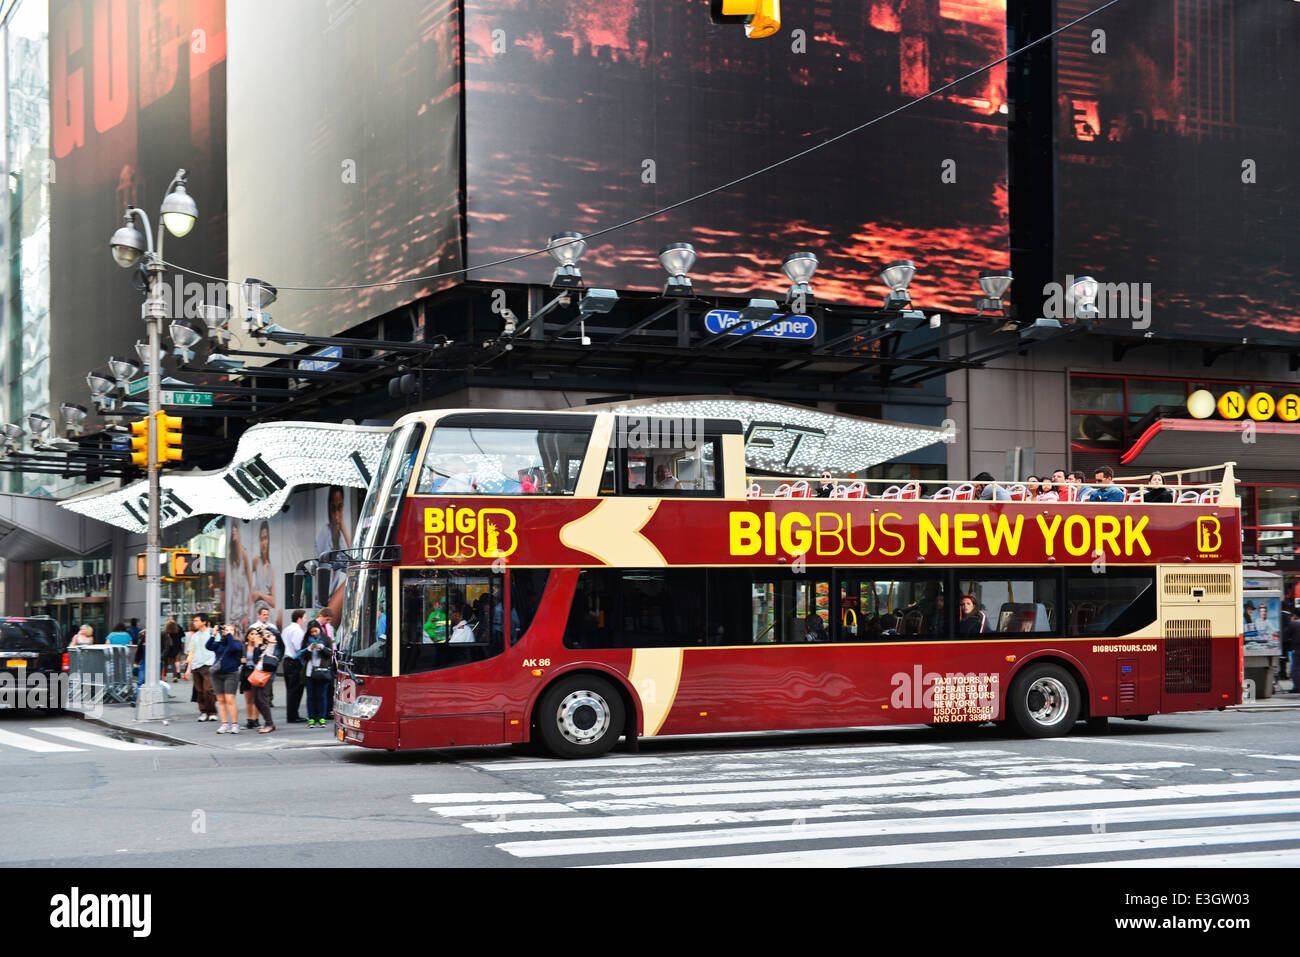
(323, 576)
(299, 590)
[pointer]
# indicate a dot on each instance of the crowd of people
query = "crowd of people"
(1062, 486)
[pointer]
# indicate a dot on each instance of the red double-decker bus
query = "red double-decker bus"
(573, 578)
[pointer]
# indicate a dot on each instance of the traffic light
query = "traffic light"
(168, 441)
(184, 566)
(140, 443)
(761, 18)
(142, 565)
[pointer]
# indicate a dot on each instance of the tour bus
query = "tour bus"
(570, 579)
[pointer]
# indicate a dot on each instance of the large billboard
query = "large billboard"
(1178, 123)
(345, 152)
(137, 91)
(580, 115)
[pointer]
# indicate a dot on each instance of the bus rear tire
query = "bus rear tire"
(1044, 701)
(580, 717)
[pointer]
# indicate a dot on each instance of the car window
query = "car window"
(27, 635)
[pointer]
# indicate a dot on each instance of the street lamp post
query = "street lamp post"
(177, 216)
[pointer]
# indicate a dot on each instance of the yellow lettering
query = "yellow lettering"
(433, 521)
(1133, 535)
(885, 531)
(433, 547)
(833, 534)
(795, 542)
(965, 537)
(848, 534)
(1002, 534)
(929, 533)
(769, 533)
(1049, 532)
(745, 539)
(1077, 522)
(1108, 533)
(465, 520)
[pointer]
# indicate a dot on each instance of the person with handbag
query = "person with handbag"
(316, 653)
(252, 639)
(266, 655)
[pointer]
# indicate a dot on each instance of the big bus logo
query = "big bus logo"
(469, 533)
(1208, 537)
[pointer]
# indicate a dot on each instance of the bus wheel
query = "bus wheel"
(580, 717)
(1044, 700)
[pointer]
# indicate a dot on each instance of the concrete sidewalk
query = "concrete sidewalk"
(183, 727)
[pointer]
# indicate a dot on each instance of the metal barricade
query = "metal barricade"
(101, 673)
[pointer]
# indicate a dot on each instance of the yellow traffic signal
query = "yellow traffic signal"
(761, 18)
(168, 441)
(140, 443)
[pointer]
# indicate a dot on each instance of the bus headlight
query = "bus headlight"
(367, 706)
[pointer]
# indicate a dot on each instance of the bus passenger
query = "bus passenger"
(972, 619)
(1156, 491)
(664, 478)
(814, 628)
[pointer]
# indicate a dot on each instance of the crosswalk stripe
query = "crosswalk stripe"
(892, 827)
(479, 810)
(1098, 768)
(618, 761)
(98, 740)
(1030, 799)
(558, 763)
(16, 740)
(1276, 757)
(779, 784)
(1004, 848)
(820, 794)
(478, 797)
(1285, 857)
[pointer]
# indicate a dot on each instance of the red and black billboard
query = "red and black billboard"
(137, 91)
(1178, 123)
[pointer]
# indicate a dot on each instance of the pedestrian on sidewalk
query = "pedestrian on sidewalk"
(326, 618)
(291, 642)
(228, 650)
(266, 654)
(316, 655)
(198, 666)
(173, 647)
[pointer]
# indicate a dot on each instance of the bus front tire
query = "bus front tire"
(1044, 701)
(580, 717)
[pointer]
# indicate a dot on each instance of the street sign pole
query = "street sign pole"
(150, 705)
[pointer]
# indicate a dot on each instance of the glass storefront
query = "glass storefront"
(76, 593)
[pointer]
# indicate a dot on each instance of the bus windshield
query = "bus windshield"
(503, 461)
(364, 628)
(379, 513)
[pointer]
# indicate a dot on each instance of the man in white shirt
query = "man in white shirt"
(198, 666)
(461, 632)
(291, 666)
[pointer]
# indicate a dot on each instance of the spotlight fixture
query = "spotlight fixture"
(994, 284)
(38, 425)
(186, 334)
(13, 437)
(127, 243)
(677, 260)
(1081, 300)
(179, 211)
(100, 384)
(597, 302)
(1040, 329)
(799, 268)
(898, 276)
(124, 369)
(907, 321)
(217, 319)
(758, 311)
(142, 350)
(258, 295)
(566, 249)
(74, 417)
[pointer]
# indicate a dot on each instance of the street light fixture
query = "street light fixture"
(38, 425)
(177, 216)
(124, 369)
(1081, 301)
(994, 284)
(185, 335)
(100, 385)
(677, 260)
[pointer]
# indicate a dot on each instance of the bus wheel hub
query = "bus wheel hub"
(583, 717)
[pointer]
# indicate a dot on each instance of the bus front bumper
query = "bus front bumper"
(368, 734)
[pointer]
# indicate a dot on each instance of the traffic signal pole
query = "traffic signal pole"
(150, 705)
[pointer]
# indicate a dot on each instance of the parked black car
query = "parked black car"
(32, 660)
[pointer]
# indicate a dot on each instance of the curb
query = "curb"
(140, 731)
(136, 731)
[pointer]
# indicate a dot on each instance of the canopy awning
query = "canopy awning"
(34, 528)
(1173, 443)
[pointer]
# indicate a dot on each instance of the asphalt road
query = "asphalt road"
(1213, 789)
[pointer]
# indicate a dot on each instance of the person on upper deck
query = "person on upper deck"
(1105, 490)
(1048, 492)
(826, 487)
(987, 490)
(1156, 491)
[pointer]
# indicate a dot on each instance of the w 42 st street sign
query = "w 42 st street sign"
(185, 397)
